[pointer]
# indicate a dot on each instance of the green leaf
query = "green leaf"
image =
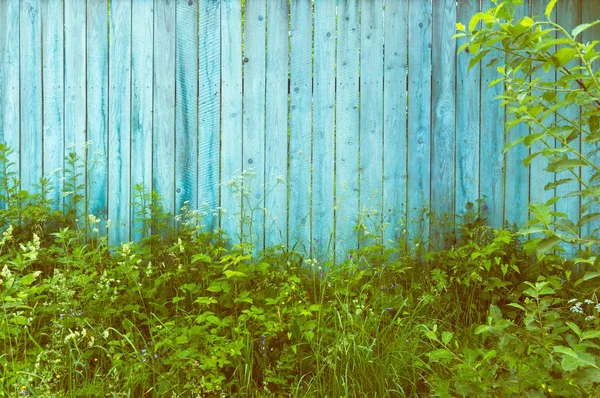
(531, 138)
(27, 280)
(590, 275)
(563, 56)
(574, 328)
(460, 27)
(573, 360)
(587, 376)
(237, 274)
(20, 320)
(594, 122)
(549, 8)
(565, 164)
(582, 27)
(542, 212)
(590, 334)
(447, 337)
(588, 218)
(547, 244)
(528, 159)
(440, 355)
(474, 21)
(567, 226)
(509, 145)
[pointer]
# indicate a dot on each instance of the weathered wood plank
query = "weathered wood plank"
(119, 122)
(186, 105)
(491, 159)
(276, 124)
(10, 81)
(300, 124)
(323, 129)
(231, 111)
(53, 96)
(467, 120)
(209, 145)
(97, 106)
(347, 126)
(75, 97)
(164, 103)
(419, 117)
(568, 13)
(142, 78)
(517, 175)
(253, 130)
(371, 115)
(443, 117)
(30, 26)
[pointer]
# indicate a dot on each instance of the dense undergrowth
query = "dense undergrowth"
(185, 313)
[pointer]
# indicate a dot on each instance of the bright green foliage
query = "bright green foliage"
(527, 46)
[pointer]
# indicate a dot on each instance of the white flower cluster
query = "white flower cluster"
(580, 307)
(31, 249)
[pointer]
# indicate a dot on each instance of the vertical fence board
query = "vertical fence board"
(568, 14)
(97, 105)
(231, 111)
(538, 177)
(53, 96)
(164, 103)
(186, 107)
(517, 175)
(142, 57)
(467, 120)
(276, 123)
(119, 121)
(209, 100)
(323, 128)
(75, 106)
(253, 130)
(443, 116)
(347, 126)
(31, 94)
(491, 159)
(9, 81)
(590, 12)
(419, 116)
(300, 124)
(371, 114)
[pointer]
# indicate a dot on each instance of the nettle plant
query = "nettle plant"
(547, 73)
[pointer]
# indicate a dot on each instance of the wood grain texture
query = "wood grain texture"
(538, 177)
(142, 58)
(119, 122)
(253, 133)
(347, 126)
(323, 129)
(517, 175)
(231, 111)
(53, 97)
(276, 123)
(467, 120)
(300, 125)
(568, 14)
(419, 117)
(97, 106)
(75, 87)
(491, 159)
(164, 103)
(10, 81)
(443, 117)
(31, 149)
(186, 105)
(209, 101)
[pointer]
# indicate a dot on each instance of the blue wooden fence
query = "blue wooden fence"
(339, 108)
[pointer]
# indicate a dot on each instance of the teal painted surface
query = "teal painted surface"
(323, 128)
(186, 105)
(31, 94)
(172, 103)
(443, 115)
(300, 124)
(53, 97)
(97, 106)
(491, 159)
(75, 98)
(347, 126)
(231, 115)
(517, 185)
(119, 122)
(467, 121)
(164, 103)
(371, 116)
(142, 33)
(253, 130)
(419, 117)
(276, 141)
(9, 80)
(209, 102)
